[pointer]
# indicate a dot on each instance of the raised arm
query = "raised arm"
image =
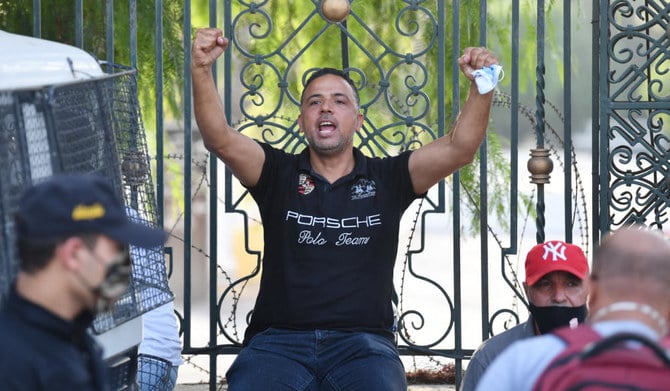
(440, 158)
(243, 155)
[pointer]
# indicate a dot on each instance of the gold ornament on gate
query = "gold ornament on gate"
(540, 166)
(335, 11)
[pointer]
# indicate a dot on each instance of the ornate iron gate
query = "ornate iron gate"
(634, 103)
(410, 92)
(457, 276)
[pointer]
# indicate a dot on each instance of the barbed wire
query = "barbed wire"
(500, 99)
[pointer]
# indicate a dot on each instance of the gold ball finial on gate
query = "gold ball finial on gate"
(540, 166)
(335, 11)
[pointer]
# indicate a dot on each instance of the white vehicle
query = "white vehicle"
(29, 62)
(60, 133)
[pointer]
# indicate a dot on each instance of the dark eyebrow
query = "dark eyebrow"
(313, 96)
(318, 95)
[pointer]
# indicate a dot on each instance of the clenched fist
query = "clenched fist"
(208, 45)
(474, 58)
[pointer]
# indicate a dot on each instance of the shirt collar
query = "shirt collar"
(360, 164)
(608, 327)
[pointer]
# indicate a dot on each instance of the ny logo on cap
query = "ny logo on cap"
(557, 250)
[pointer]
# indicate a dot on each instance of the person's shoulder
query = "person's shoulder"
(10, 325)
(487, 351)
(17, 353)
(524, 347)
(271, 149)
(384, 165)
(520, 364)
(29, 336)
(548, 339)
(278, 164)
(499, 342)
(401, 156)
(281, 150)
(16, 335)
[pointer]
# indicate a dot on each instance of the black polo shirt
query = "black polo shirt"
(40, 351)
(329, 249)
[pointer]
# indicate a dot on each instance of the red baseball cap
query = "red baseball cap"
(555, 255)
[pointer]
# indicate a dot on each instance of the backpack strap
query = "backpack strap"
(606, 343)
(576, 339)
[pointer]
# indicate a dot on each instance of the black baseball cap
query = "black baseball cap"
(72, 204)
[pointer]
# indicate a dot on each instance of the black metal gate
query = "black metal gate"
(577, 74)
(634, 113)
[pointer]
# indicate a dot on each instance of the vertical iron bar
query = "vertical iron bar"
(514, 153)
(79, 23)
(648, 77)
(213, 197)
(132, 14)
(601, 191)
(455, 106)
(160, 184)
(158, 55)
(483, 195)
(344, 45)
(37, 19)
(514, 146)
(132, 41)
(109, 24)
(567, 108)
(539, 114)
(227, 104)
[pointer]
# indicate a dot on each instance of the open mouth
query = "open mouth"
(326, 127)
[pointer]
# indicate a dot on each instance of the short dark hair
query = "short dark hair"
(34, 254)
(330, 71)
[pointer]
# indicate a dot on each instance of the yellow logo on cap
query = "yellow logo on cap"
(88, 212)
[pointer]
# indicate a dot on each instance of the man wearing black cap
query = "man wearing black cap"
(556, 288)
(72, 233)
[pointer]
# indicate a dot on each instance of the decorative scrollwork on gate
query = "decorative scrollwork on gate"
(636, 115)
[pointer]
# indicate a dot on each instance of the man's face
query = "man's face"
(557, 288)
(329, 116)
(105, 272)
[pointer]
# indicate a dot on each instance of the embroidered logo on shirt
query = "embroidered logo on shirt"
(305, 184)
(363, 188)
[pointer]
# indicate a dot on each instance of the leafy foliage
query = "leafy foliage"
(266, 33)
(58, 24)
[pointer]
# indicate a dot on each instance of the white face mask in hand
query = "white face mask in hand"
(487, 78)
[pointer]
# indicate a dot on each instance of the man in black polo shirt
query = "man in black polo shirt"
(331, 217)
(71, 234)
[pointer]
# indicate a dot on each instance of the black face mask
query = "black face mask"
(553, 317)
(115, 284)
